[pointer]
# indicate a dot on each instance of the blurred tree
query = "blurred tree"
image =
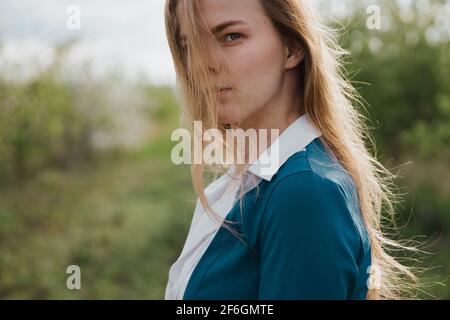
(42, 122)
(402, 72)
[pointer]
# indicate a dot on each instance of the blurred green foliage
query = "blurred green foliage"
(402, 71)
(123, 215)
(119, 220)
(404, 77)
(43, 122)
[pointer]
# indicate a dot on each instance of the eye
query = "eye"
(233, 36)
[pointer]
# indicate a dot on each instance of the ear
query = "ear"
(294, 54)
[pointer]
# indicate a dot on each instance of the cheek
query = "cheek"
(259, 67)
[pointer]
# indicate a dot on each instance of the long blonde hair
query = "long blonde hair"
(331, 102)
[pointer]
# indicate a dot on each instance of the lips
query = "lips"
(222, 92)
(223, 89)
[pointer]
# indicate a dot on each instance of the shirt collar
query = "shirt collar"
(294, 138)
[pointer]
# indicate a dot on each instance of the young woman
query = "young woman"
(311, 227)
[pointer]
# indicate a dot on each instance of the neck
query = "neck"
(284, 108)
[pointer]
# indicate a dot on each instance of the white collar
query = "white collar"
(293, 139)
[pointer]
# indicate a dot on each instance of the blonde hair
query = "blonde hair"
(328, 98)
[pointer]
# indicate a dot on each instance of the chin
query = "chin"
(229, 117)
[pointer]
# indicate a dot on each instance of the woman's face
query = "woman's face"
(256, 55)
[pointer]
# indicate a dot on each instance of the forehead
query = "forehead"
(215, 12)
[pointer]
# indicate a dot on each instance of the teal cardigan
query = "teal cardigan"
(304, 238)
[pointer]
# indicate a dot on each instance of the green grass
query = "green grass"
(123, 220)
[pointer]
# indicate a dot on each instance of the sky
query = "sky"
(128, 35)
(114, 34)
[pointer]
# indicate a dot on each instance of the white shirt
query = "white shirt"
(222, 194)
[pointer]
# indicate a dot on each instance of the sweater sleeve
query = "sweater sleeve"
(308, 241)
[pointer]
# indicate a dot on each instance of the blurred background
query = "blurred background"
(87, 107)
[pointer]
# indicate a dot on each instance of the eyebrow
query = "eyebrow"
(220, 27)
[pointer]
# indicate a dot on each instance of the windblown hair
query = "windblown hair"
(331, 102)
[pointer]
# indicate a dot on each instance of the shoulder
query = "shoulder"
(310, 237)
(309, 177)
(312, 192)
(309, 199)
